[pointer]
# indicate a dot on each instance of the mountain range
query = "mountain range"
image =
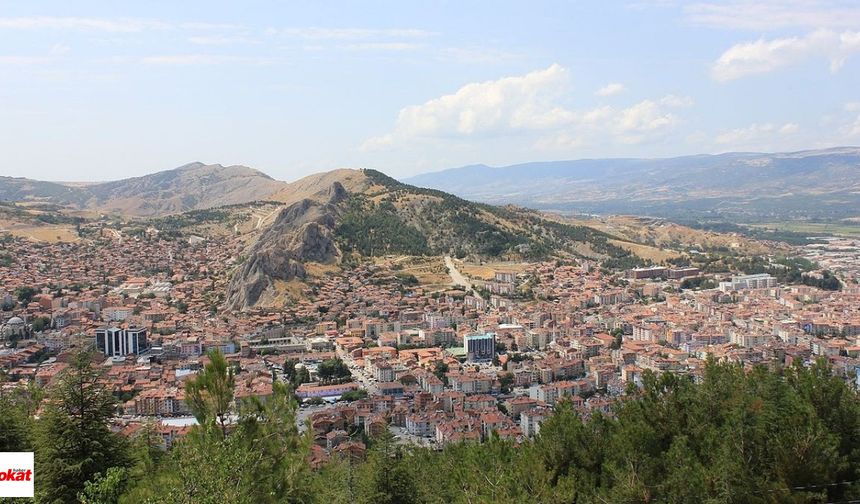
(817, 183)
(349, 214)
(195, 186)
(329, 219)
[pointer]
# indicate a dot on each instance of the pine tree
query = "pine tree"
(15, 423)
(385, 476)
(73, 440)
(210, 393)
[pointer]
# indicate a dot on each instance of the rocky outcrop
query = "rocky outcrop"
(302, 232)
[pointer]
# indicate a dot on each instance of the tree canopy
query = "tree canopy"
(726, 435)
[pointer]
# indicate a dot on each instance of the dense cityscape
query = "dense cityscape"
(371, 350)
(387, 252)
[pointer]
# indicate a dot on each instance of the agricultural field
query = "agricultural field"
(847, 228)
(486, 270)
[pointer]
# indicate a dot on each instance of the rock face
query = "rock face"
(302, 232)
(391, 218)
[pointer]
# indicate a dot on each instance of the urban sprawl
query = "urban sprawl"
(367, 351)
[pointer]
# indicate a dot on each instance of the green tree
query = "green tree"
(735, 434)
(386, 477)
(15, 423)
(333, 369)
(439, 369)
(73, 440)
(39, 324)
(506, 382)
(263, 460)
(210, 393)
(25, 294)
(354, 395)
(105, 489)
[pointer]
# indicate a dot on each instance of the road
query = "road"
(359, 375)
(456, 277)
(263, 218)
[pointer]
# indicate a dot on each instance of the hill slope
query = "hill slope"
(821, 182)
(194, 186)
(382, 216)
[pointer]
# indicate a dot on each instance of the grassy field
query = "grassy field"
(660, 233)
(647, 252)
(46, 233)
(844, 228)
(430, 271)
(487, 270)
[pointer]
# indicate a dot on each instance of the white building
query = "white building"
(116, 342)
(745, 282)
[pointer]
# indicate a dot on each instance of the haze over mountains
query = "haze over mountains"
(815, 182)
(322, 221)
(194, 186)
(326, 219)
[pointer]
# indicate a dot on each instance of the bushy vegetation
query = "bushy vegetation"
(6, 260)
(733, 436)
(787, 270)
(699, 282)
(354, 395)
(375, 230)
(333, 370)
(758, 233)
(826, 281)
(390, 222)
(25, 294)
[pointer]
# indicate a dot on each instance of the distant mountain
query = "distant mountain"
(366, 213)
(14, 189)
(816, 182)
(194, 186)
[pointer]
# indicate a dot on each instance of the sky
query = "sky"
(101, 90)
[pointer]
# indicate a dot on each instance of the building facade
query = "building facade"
(480, 347)
(116, 342)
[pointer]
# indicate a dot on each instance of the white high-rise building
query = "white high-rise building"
(116, 342)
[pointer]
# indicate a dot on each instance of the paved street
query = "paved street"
(456, 277)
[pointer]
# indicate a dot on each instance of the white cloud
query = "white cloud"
(767, 15)
(54, 54)
(611, 89)
(480, 55)
(24, 60)
(533, 104)
(763, 55)
(355, 39)
(671, 100)
(381, 46)
(520, 102)
(60, 49)
(320, 33)
(120, 25)
(643, 117)
(221, 40)
(110, 25)
(203, 59)
(850, 129)
(756, 135)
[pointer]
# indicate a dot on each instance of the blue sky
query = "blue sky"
(96, 90)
